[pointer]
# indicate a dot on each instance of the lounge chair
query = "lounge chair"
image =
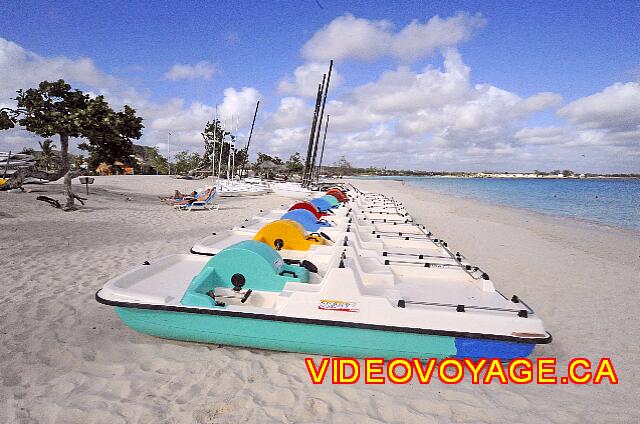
(201, 204)
(182, 199)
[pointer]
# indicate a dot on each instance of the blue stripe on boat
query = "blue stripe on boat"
(481, 348)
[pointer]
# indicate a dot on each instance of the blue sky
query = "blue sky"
(572, 49)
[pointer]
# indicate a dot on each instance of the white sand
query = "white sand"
(64, 358)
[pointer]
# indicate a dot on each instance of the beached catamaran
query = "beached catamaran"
(368, 282)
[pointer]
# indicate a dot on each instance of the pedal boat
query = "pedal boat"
(248, 296)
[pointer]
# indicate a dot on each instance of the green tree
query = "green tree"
(109, 134)
(154, 159)
(567, 173)
(216, 138)
(55, 109)
(47, 155)
(186, 162)
(213, 136)
(294, 164)
(263, 157)
(342, 166)
(78, 161)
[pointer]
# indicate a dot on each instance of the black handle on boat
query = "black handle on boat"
(291, 261)
(320, 234)
(325, 236)
(286, 271)
(246, 296)
(309, 266)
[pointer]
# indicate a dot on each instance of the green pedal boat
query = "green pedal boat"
(354, 306)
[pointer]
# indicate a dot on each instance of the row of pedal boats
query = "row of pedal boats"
(348, 273)
(257, 187)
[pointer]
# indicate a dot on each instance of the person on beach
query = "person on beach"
(182, 199)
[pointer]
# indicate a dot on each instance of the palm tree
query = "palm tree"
(47, 156)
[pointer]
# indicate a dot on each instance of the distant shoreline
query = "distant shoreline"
(497, 176)
(621, 218)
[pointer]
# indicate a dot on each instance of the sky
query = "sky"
(505, 86)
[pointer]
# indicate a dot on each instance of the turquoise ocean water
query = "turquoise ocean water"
(614, 202)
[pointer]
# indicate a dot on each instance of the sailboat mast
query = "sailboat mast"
(317, 138)
(324, 139)
(235, 141)
(314, 122)
(246, 150)
(230, 148)
(215, 141)
(221, 149)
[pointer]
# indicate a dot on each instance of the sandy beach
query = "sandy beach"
(64, 358)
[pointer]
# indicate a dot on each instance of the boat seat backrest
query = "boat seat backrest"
(369, 266)
(364, 242)
(370, 283)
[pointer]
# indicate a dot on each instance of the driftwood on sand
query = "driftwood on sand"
(49, 200)
(56, 204)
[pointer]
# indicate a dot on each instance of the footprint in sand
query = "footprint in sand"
(512, 400)
(463, 397)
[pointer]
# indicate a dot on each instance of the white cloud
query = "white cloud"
(350, 37)
(605, 125)
(541, 135)
(439, 107)
(348, 116)
(617, 108)
(403, 90)
(306, 78)
(431, 118)
(201, 70)
(187, 122)
(281, 141)
(538, 102)
(173, 116)
(434, 118)
(577, 137)
(418, 40)
(22, 69)
(239, 104)
(292, 112)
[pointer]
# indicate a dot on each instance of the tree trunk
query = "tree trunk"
(64, 152)
(17, 179)
(64, 164)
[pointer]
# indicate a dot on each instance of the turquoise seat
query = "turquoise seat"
(257, 266)
(332, 200)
